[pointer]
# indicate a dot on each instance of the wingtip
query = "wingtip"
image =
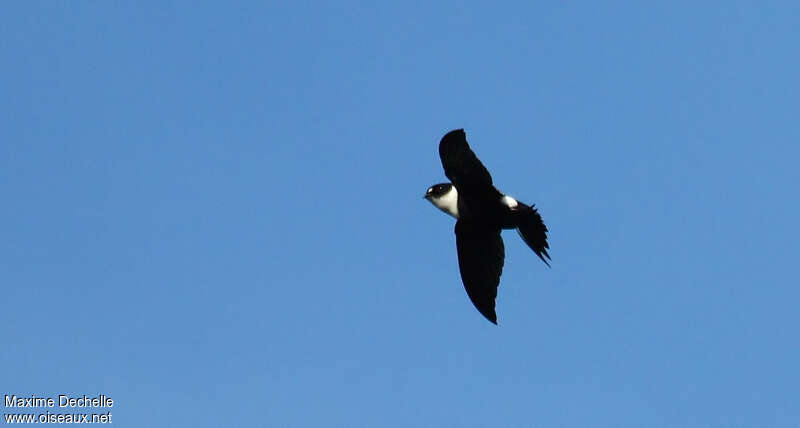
(489, 315)
(453, 133)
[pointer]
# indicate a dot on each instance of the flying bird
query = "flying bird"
(481, 212)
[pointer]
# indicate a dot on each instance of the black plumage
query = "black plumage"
(482, 212)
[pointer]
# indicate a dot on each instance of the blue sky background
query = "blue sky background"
(212, 213)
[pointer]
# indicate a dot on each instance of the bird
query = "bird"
(482, 212)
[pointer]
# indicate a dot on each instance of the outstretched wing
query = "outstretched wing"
(460, 164)
(467, 173)
(480, 259)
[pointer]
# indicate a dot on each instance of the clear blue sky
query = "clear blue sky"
(214, 214)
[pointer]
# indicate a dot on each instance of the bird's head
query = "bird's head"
(445, 197)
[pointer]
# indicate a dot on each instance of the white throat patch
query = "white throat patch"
(448, 202)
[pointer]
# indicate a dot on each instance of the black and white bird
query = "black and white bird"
(481, 212)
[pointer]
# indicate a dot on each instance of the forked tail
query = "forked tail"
(533, 231)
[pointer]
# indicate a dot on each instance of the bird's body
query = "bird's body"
(481, 212)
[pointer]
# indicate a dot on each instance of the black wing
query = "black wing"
(460, 164)
(467, 173)
(480, 260)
